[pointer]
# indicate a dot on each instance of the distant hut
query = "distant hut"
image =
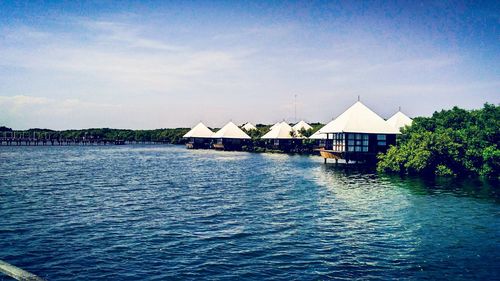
(399, 120)
(274, 126)
(302, 125)
(230, 137)
(248, 127)
(282, 137)
(357, 134)
(319, 138)
(200, 136)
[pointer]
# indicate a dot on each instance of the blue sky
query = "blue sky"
(157, 64)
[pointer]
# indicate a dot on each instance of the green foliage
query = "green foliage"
(173, 136)
(491, 160)
(306, 133)
(258, 133)
(442, 170)
(451, 142)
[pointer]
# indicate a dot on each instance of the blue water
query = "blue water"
(167, 213)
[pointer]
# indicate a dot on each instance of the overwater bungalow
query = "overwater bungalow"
(319, 138)
(399, 120)
(302, 125)
(200, 136)
(230, 137)
(357, 134)
(248, 127)
(273, 126)
(282, 137)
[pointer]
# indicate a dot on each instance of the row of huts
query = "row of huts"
(356, 134)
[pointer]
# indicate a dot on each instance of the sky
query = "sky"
(161, 64)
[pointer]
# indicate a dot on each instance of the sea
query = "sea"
(163, 212)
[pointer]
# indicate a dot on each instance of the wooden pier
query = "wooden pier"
(18, 141)
(48, 139)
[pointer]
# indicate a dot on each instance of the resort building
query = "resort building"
(320, 139)
(357, 134)
(302, 125)
(282, 137)
(230, 137)
(273, 126)
(399, 120)
(200, 136)
(248, 127)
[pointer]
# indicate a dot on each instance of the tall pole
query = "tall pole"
(295, 108)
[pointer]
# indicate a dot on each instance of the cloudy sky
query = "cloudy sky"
(141, 64)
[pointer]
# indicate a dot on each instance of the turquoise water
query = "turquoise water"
(167, 213)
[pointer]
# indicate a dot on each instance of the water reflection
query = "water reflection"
(425, 226)
(421, 185)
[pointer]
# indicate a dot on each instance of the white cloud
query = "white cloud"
(87, 72)
(117, 52)
(39, 111)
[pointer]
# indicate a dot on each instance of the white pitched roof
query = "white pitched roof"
(280, 131)
(318, 136)
(301, 125)
(199, 131)
(230, 131)
(359, 119)
(273, 126)
(249, 126)
(399, 120)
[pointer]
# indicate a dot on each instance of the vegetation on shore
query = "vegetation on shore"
(173, 136)
(170, 136)
(453, 142)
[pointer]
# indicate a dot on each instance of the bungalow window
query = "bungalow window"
(276, 142)
(357, 142)
(338, 142)
(381, 140)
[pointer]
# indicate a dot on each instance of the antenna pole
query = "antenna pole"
(359, 98)
(295, 107)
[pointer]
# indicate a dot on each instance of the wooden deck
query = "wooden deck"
(219, 146)
(331, 154)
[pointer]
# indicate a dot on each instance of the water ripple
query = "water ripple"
(167, 213)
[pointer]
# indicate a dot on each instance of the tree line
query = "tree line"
(173, 136)
(453, 142)
(449, 143)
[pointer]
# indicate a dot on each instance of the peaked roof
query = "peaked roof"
(359, 119)
(399, 120)
(230, 131)
(318, 136)
(301, 125)
(280, 131)
(199, 131)
(249, 126)
(274, 126)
